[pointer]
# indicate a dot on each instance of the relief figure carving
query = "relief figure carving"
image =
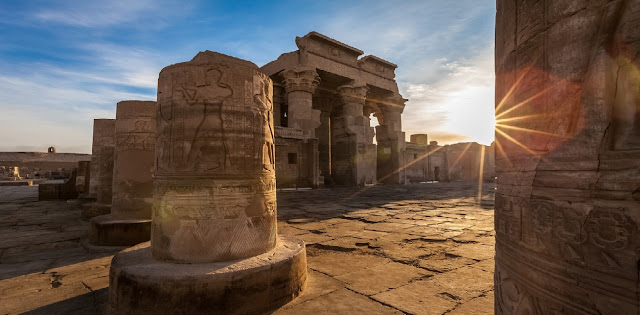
(208, 148)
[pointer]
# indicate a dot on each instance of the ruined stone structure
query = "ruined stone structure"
(102, 159)
(470, 160)
(323, 98)
(129, 222)
(567, 211)
(425, 161)
(100, 183)
(214, 245)
(83, 179)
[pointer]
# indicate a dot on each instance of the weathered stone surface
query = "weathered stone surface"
(140, 284)
(129, 221)
(566, 217)
(83, 179)
(64, 190)
(134, 159)
(107, 230)
(214, 181)
(102, 160)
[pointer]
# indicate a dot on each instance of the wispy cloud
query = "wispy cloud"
(445, 62)
(45, 106)
(461, 102)
(69, 62)
(109, 12)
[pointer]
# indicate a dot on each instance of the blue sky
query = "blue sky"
(64, 63)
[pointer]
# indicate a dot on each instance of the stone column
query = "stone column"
(83, 179)
(101, 168)
(323, 132)
(130, 219)
(354, 151)
(213, 247)
(391, 141)
(300, 84)
(567, 206)
(278, 103)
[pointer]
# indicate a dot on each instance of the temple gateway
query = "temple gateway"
(324, 95)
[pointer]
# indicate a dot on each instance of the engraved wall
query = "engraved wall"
(214, 184)
(567, 157)
(134, 159)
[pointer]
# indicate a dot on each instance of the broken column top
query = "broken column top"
(211, 57)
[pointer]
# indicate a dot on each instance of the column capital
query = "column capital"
(300, 79)
(355, 92)
(393, 103)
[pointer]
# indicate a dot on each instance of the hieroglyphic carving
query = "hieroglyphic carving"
(609, 228)
(215, 178)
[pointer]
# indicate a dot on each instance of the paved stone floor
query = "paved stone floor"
(413, 249)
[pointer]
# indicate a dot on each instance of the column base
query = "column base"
(108, 231)
(94, 209)
(140, 284)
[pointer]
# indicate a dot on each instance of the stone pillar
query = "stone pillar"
(391, 141)
(83, 179)
(323, 133)
(129, 222)
(213, 247)
(566, 208)
(353, 150)
(300, 84)
(278, 104)
(101, 168)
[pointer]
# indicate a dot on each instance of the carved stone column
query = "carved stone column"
(213, 246)
(567, 211)
(353, 149)
(101, 180)
(300, 84)
(129, 222)
(391, 141)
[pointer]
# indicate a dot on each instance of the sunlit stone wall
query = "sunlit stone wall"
(567, 157)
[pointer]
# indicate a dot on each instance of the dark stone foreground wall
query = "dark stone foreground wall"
(567, 157)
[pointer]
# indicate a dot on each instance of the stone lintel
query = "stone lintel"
(378, 66)
(290, 60)
(330, 48)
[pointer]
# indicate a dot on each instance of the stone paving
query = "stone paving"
(412, 249)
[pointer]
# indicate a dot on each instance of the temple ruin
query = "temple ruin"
(323, 98)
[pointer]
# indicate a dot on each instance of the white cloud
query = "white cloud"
(110, 12)
(43, 108)
(445, 66)
(460, 103)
